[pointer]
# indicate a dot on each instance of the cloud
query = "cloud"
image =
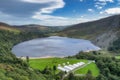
(111, 11)
(81, 0)
(53, 4)
(106, 0)
(44, 14)
(41, 1)
(65, 22)
(82, 16)
(98, 7)
(10, 19)
(99, 4)
(90, 10)
(47, 17)
(4, 15)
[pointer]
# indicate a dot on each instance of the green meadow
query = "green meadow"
(50, 62)
(117, 57)
(92, 67)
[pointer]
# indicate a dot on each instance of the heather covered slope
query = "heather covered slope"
(4, 26)
(102, 32)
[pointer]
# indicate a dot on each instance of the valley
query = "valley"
(59, 39)
(106, 64)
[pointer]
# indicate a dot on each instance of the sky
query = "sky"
(56, 12)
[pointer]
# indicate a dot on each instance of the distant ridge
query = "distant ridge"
(27, 28)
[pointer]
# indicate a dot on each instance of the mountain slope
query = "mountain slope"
(102, 32)
(4, 26)
(12, 68)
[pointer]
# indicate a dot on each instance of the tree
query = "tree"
(101, 77)
(47, 70)
(89, 76)
(27, 59)
(71, 76)
(54, 69)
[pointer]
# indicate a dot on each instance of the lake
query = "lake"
(53, 46)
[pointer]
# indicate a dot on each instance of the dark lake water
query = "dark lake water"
(53, 46)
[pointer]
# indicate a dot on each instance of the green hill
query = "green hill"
(12, 68)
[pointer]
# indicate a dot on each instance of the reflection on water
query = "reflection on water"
(53, 46)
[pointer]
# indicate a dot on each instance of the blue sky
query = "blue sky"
(56, 12)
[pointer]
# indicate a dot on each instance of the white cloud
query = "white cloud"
(40, 1)
(101, 12)
(54, 4)
(64, 22)
(99, 4)
(81, 16)
(44, 13)
(111, 11)
(90, 10)
(106, 0)
(47, 17)
(81, 0)
(98, 7)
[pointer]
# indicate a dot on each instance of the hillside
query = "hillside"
(12, 68)
(36, 28)
(27, 28)
(102, 32)
(4, 26)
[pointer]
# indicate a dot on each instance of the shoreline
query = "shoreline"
(40, 57)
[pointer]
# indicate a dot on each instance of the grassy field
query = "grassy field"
(117, 57)
(50, 62)
(92, 67)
